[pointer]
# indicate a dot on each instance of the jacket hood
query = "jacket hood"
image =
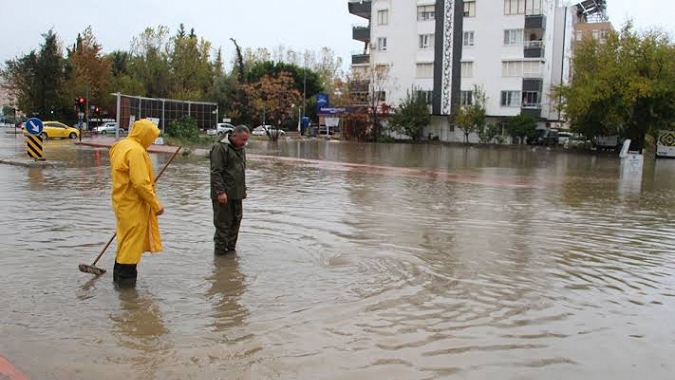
(145, 132)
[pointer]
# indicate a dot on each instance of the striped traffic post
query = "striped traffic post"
(34, 146)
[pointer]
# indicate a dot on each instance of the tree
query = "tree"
(376, 81)
(488, 133)
(225, 92)
(299, 76)
(89, 71)
(122, 80)
(192, 72)
(471, 118)
(240, 102)
(150, 61)
(36, 79)
(623, 85)
(218, 65)
(411, 116)
(523, 127)
(271, 98)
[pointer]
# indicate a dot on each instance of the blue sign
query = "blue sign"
(332, 110)
(34, 126)
(322, 101)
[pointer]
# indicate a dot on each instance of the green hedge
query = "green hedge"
(183, 128)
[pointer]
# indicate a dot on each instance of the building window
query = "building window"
(382, 43)
(514, 7)
(425, 70)
(532, 69)
(603, 36)
(512, 68)
(510, 99)
(466, 98)
(468, 38)
(426, 41)
(531, 99)
(533, 8)
(426, 95)
(513, 37)
(579, 35)
(467, 69)
(469, 8)
(381, 96)
(360, 97)
(383, 17)
(426, 12)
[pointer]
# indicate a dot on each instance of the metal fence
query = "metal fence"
(130, 108)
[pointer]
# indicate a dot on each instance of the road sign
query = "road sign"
(34, 147)
(34, 126)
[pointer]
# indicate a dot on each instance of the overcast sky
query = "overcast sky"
(297, 24)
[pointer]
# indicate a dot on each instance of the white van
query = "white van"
(665, 144)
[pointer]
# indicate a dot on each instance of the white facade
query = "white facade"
(495, 39)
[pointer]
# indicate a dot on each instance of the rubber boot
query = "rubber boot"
(124, 275)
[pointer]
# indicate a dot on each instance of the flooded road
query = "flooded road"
(404, 262)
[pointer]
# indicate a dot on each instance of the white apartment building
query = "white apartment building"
(514, 50)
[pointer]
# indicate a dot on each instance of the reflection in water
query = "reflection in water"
(139, 327)
(36, 179)
(224, 293)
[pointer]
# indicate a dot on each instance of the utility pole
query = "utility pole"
(304, 89)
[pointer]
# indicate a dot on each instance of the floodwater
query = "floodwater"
(392, 262)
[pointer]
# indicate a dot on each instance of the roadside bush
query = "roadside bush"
(183, 128)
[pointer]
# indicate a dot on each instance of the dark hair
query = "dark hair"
(239, 129)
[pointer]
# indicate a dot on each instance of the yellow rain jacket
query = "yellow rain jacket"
(133, 195)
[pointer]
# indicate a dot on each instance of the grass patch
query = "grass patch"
(197, 142)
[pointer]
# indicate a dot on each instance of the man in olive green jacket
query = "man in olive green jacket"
(228, 188)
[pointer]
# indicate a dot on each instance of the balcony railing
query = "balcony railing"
(533, 74)
(361, 8)
(535, 22)
(535, 112)
(360, 59)
(533, 44)
(361, 33)
(534, 51)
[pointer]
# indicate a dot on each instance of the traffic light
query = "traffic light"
(81, 104)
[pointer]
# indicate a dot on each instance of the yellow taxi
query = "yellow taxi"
(55, 129)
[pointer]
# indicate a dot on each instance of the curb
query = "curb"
(28, 164)
(152, 149)
(8, 371)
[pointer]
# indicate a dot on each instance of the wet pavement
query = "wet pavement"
(356, 261)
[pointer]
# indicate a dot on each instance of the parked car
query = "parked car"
(221, 129)
(262, 130)
(613, 142)
(56, 129)
(545, 137)
(107, 128)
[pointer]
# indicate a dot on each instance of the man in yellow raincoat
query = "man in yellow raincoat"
(134, 201)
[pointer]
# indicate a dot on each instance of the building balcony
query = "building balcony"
(532, 110)
(361, 8)
(537, 22)
(361, 33)
(359, 86)
(533, 49)
(533, 85)
(360, 59)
